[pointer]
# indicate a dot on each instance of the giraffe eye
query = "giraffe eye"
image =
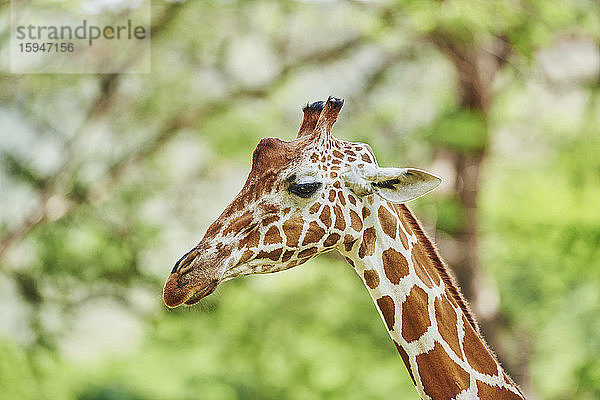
(304, 190)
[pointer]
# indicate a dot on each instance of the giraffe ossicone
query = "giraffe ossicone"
(317, 193)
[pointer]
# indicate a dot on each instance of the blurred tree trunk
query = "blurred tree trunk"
(475, 69)
(474, 85)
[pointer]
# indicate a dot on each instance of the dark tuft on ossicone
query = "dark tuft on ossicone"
(336, 101)
(316, 107)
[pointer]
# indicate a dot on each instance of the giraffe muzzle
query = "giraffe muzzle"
(176, 294)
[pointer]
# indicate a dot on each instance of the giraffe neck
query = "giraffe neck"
(424, 312)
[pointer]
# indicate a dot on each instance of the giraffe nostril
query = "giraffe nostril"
(184, 261)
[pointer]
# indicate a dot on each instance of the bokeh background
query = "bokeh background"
(106, 180)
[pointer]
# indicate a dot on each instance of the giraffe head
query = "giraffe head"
(302, 197)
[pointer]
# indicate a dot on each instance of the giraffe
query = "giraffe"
(317, 193)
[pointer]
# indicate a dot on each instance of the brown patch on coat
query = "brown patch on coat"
(478, 356)
(246, 256)
(371, 278)
(268, 220)
(314, 208)
(400, 211)
(485, 391)
(349, 242)
(314, 234)
(387, 222)
(394, 265)
(365, 212)
(272, 236)
(287, 255)
(292, 229)
(365, 157)
(342, 198)
(340, 222)
(422, 274)
(251, 239)
(325, 215)
(337, 154)
(332, 194)
(367, 246)
(332, 240)
(355, 221)
(271, 255)
(421, 261)
(388, 309)
(442, 378)
(414, 320)
(307, 252)
(352, 199)
(447, 323)
(403, 238)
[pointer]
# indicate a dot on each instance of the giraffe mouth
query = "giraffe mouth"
(176, 294)
(202, 293)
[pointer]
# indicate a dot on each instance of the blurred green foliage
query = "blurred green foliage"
(544, 253)
(106, 180)
(464, 131)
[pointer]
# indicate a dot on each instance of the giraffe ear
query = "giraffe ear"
(400, 185)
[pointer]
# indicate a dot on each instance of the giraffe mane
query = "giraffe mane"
(439, 265)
